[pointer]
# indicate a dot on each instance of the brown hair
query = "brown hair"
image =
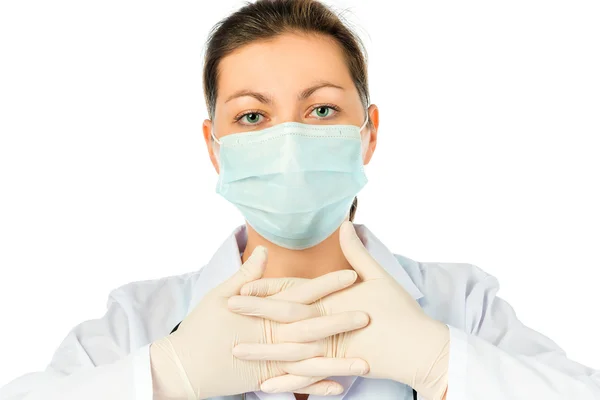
(266, 19)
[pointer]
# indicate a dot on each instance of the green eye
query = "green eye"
(326, 111)
(252, 117)
(323, 111)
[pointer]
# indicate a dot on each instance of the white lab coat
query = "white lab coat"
(493, 356)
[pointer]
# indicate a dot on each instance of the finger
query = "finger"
(322, 388)
(268, 286)
(293, 383)
(327, 367)
(321, 327)
(357, 255)
(314, 289)
(274, 310)
(251, 270)
(279, 351)
(295, 289)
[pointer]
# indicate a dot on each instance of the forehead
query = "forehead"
(289, 62)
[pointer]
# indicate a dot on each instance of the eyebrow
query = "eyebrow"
(267, 99)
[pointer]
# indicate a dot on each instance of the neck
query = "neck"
(310, 263)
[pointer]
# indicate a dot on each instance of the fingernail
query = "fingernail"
(268, 387)
(349, 225)
(333, 390)
(359, 367)
(361, 319)
(259, 253)
(239, 352)
(347, 277)
(234, 304)
(261, 249)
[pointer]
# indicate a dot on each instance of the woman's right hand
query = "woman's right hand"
(196, 361)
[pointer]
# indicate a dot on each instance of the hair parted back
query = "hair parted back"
(267, 19)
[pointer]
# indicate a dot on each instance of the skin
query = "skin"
(280, 69)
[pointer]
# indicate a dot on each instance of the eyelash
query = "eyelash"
(238, 118)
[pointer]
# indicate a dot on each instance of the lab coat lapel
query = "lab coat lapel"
(223, 264)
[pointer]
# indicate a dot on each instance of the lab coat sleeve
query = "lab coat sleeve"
(94, 362)
(496, 357)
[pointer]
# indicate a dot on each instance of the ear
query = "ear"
(370, 134)
(210, 146)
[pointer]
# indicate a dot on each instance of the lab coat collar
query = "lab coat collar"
(226, 261)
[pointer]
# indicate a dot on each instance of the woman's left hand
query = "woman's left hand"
(401, 342)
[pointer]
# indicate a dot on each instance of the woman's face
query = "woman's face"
(294, 77)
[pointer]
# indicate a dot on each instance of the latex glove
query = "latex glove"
(401, 342)
(196, 362)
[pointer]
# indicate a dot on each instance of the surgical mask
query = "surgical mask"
(294, 183)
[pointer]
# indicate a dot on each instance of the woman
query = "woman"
(299, 301)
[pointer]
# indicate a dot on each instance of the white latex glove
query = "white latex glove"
(400, 343)
(196, 362)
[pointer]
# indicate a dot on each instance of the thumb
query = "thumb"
(358, 256)
(252, 269)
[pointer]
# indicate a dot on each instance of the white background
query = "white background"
(488, 154)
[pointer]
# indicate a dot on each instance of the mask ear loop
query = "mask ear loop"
(364, 124)
(215, 148)
(212, 133)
